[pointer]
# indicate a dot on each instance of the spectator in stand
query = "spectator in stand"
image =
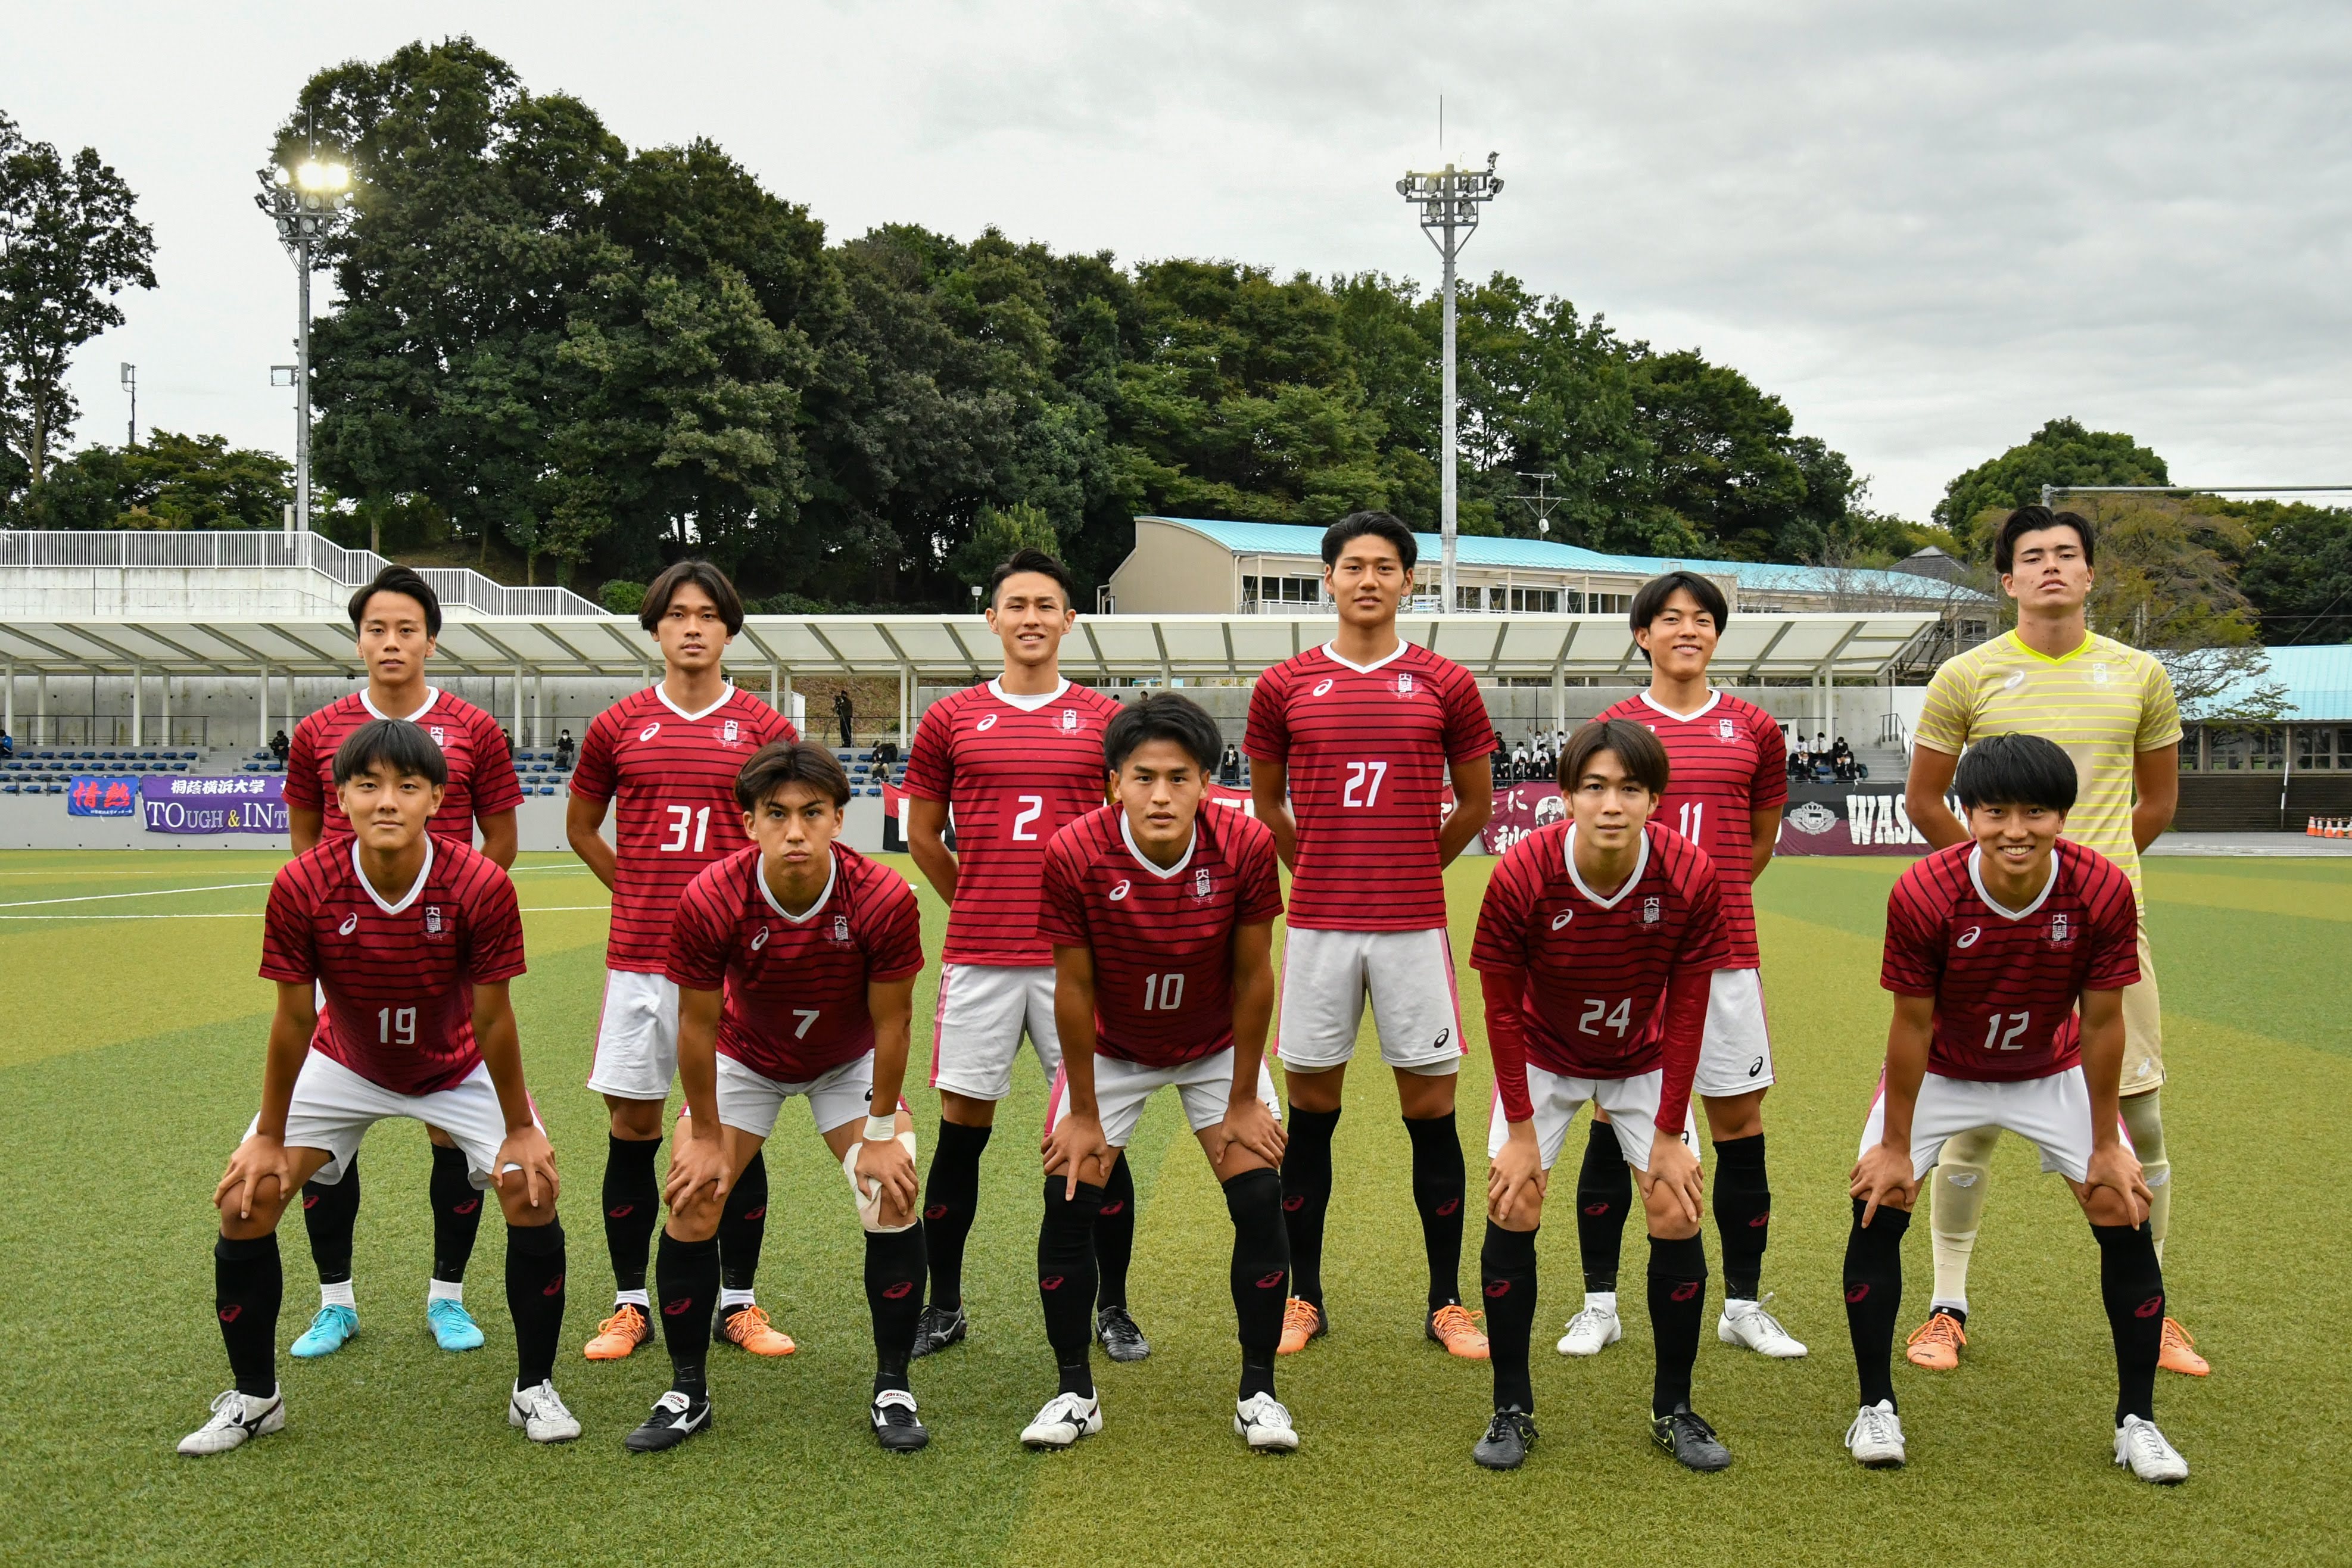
(845, 715)
(507, 735)
(887, 753)
(565, 750)
(1229, 767)
(279, 746)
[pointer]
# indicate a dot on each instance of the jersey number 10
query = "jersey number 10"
(1163, 993)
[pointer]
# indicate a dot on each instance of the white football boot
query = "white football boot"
(1875, 1438)
(540, 1413)
(238, 1418)
(1593, 1328)
(1065, 1419)
(1265, 1423)
(1749, 1326)
(2142, 1448)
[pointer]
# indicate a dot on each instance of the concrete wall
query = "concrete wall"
(1175, 571)
(167, 593)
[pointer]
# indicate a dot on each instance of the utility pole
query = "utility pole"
(1449, 201)
(131, 385)
(1542, 504)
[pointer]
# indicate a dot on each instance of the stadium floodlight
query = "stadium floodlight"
(1449, 199)
(309, 201)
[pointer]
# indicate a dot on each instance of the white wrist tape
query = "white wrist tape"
(881, 1129)
(869, 1205)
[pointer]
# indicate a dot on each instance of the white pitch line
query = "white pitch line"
(257, 914)
(152, 892)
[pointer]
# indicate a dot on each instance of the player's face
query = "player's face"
(1031, 616)
(794, 828)
(388, 810)
(393, 642)
(1680, 639)
(1610, 808)
(1368, 581)
(2047, 571)
(691, 631)
(1159, 786)
(2016, 838)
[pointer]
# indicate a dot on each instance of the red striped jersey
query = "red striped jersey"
(400, 976)
(1725, 761)
(796, 985)
(1596, 970)
(672, 777)
(1368, 749)
(1013, 771)
(482, 769)
(2005, 980)
(1162, 940)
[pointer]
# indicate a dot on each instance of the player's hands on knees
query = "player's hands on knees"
(1075, 1148)
(1248, 1123)
(2117, 1167)
(889, 1166)
(1883, 1175)
(259, 1161)
(1515, 1179)
(527, 1148)
(697, 1160)
(1674, 1167)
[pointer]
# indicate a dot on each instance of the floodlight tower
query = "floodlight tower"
(1449, 201)
(309, 203)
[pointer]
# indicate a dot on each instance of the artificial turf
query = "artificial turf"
(130, 1050)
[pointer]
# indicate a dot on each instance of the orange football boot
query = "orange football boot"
(1456, 1328)
(748, 1327)
(2179, 1351)
(1935, 1344)
(1301, 1321)
(621, 1333)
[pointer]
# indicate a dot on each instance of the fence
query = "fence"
(80, 730)
(345, 568)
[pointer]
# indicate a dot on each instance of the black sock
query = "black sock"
(1604, 1194)
(248, 1287)
(1439, 1186)
(1066, 1279)
(743, 1226)
(894, 1295)
(1507, 1266)
(686, 1274)
(2131, 1284)
(535, 1298)
(1305, 1196)
(632, 1208)
(1874, 1296)
(456, 1214)
(1743, 1213)
(329, 1216)
(1261, 1271)
(951, 1199)
(1677, 1302)
(1115, 1234)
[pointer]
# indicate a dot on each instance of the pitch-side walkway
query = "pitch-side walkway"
(2273, 844)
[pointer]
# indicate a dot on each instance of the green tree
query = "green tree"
(170, 482)
(2298, 570)
(2061, 453)
(69, 244)
(996, 534)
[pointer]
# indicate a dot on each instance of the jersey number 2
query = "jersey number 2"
(1032, 808)
(685, 820)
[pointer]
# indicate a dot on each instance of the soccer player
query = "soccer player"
(397, 618)
(1162, 917)
(1991, 947)
(1727, 786)
(413, 939)
(1596, 951)
(795, 959)
(2111, 708)
(665, 759)
(1351, 745)
(1015, 759)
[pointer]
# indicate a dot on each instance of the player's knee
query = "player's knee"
(1667, 1219)
(965, 1111)
(2105, 1205)
(250, 1227)
(1735, 1116)
(1425, 1095)
(636, 1121)
(697, 1219)
(515, 1197)
(1314, 1090)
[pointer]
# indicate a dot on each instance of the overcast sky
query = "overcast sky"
(1927, 228)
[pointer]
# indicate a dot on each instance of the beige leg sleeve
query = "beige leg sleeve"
(2144, 1120)
(1962, 1172)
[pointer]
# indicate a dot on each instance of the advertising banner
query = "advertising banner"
(179, 803)
(1862, 819)
(94, 796)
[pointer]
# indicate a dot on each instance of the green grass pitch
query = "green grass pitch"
(131, 1050)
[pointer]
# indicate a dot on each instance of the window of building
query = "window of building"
(2229, 749)
(1470, 599)
(1534, 601)
(1612, 603)
(1282, 590)
(2325, 747)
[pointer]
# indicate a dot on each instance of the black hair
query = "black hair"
(1380, 525)
(1162, 715)
(395, 743)
(2034, 519)
(1650, 602)
(2016, 771)
(1636, 746)
(1037, 560)
(783, 762)
(702, 575)
(400, 579)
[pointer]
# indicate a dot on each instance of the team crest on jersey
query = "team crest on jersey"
(1201, 883)
(1070, 719)
(650, 730)
(1725, 729)
(433, 920)
(1321, 686)
(435, 731)
(2061, 933)
(841, 927)
(1119, 890)
(759, 938)
(729, 731)
(1652, 911)
(1405, 683)
(2098, 675)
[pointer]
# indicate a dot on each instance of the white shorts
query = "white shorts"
(333, 1108)
(1205, 1086)
(636, 1036)
(751, 1102)
(2054, 1114)
(1734, 1057)
(1631, 1103)
(984, 1009)
(1407, 975)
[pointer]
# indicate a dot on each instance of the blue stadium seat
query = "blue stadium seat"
(7, 789)
(57, 789)
(253, 768)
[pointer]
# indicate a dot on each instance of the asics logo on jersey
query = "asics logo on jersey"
(1562, 918)
(989, 722)
(1121, 890)
(760, 939)
(650, 730)
(351, 924)
(1856, 1294)
(2148, 1308)
(1968, 938)
(1321, 686)
(1271, 1281)
(2013, 682)
(672, 1309)
(897, 1290)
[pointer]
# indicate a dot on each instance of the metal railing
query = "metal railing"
(79, 729)
(346, 568)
